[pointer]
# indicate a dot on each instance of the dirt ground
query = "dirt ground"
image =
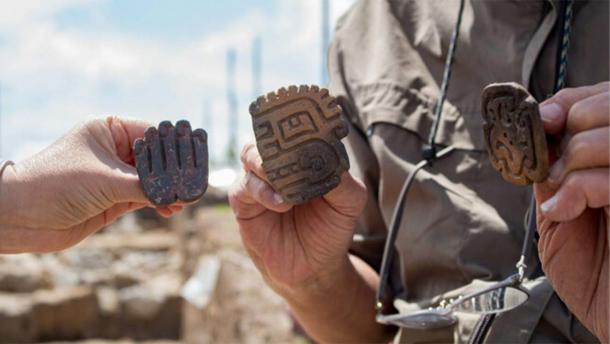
(125, 285)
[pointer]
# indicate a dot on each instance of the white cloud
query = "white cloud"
(16, 15)
(53, 76)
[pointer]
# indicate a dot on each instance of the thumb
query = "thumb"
(125, 182)
(349, 197)
(542, 192)
(126, 186)
(124, 132)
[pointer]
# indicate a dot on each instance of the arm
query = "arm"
(82, 182)
(342, 309)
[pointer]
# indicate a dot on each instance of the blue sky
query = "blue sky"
(164, 19)
(62, 61)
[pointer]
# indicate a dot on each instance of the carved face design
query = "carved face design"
(514, 134)
(298, 133)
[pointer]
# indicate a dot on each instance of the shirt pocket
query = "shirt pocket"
(413, 109)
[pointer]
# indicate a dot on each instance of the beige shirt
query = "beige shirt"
(462, 222)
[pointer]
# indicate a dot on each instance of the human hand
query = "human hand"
(79, 184)
(573, 216)
(301, 247)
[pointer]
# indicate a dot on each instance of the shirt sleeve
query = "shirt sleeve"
(370, 233)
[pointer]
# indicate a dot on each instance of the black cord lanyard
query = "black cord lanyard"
(429, 153)
(565, 20)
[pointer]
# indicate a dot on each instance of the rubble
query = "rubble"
(67, 313)
(124, 285)
(22, 273)
(16, 319)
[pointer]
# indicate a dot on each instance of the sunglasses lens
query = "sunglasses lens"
(494, 301)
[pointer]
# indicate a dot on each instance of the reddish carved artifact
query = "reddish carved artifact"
(514, 133)
(298, 134)
(172, 163)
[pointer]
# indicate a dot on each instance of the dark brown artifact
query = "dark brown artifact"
(514, 133)
(172, 163)
(298, 134)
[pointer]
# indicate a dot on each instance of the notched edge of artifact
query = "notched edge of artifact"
(321, 96)
(521, 95)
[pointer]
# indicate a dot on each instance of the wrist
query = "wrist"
(340, 305)
(323, 287)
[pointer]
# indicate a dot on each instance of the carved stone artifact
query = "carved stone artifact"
(172, 163)
(298, 134)
(514, 133)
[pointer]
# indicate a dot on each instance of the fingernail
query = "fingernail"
(549, 205)
(277, 198)
(550, 112)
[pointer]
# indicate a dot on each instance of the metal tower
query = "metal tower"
(325, 31)
(206, 124)
(233, 127)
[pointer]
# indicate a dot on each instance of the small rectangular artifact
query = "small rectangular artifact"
(514, 133)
